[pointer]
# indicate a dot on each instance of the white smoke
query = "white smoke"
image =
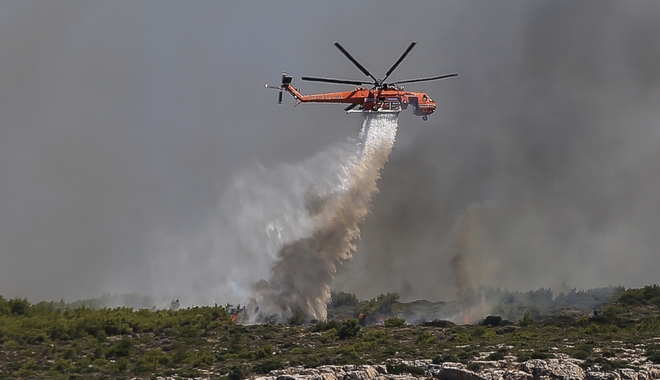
(300, 278)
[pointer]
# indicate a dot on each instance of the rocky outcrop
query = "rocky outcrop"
(331, 372)
(535, 369)
(550, 369)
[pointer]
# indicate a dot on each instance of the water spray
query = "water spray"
(301, 275)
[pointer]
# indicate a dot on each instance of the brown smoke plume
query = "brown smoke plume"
(476, 257)
(301, 276)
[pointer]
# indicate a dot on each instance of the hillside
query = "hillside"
(52, 340)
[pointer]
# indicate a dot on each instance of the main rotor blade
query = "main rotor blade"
(425, 79)
(398, 61)
(337, 81)
(356, 63)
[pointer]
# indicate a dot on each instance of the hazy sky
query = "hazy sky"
(127, 127)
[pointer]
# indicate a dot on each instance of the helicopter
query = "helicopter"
(381, 97)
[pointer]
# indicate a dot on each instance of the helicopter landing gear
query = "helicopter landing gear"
(425, 117)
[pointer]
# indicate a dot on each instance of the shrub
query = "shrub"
(580, 354)
(239, 372)
(425, 338)
(264, 352)
(497, 355)
(399, 369)
(19, 306)
(540, 355)
(349, 329)
(329, 336)
(653, 354)
(460, 338)
(70, 353)
(526, 320)
(437, 323)
(445, 358)
(325, 326)
(297, 319)
(474, 367)
(122, 348)
(654, 357)
(63, 365)
(151, 360)
(267, 366)
(492, 321)
(395, 322)
(201, 357)
(478, 332)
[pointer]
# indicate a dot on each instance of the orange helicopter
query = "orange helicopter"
(381, 97)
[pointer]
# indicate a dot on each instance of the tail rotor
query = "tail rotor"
(286, 80)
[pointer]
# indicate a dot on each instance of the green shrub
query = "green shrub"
(120, 365)
(464, 356)
(120, 349)
(580, 354)
(63, 366)
(540, 355)
(268, 365)
(325, 326)
(152, 360)
(526, 320)
(329, 336)
(399, 369)
(497, 355)
(239, 372)
(445, 358)
(478, 331)
(424, 338)
(70, 353)
(349, 329)
(460, 338)
(395, 322)
(201, 357)
(297, 319)
(264, 352)
(653, 354)
(474, 367)
(19, 306)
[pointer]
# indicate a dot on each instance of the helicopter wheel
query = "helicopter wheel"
(425, 117)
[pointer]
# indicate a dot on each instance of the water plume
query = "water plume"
(302, 273)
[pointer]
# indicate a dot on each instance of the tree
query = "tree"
(19, 306)
(340, 299)
(526, 320)
(386, 301)
(349, 329)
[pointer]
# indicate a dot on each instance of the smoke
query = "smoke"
(129, 134)
(305, 268)
(475, 250)
(553, 117)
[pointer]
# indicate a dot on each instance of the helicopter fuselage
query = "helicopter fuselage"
(373, 100)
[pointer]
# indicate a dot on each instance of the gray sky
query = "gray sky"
(126, 127)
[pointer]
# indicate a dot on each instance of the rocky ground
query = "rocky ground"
(507, 369)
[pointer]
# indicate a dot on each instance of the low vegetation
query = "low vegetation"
(56, 340)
